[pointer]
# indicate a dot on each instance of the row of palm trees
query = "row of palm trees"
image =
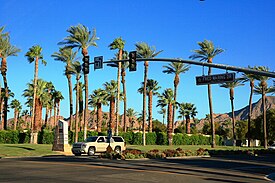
(80, 37)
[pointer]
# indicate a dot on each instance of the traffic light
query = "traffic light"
(86, 64)
(132, 61)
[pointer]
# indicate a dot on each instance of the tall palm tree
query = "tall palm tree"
(6, 50)
(50, 89)
(167, 99)
(206, 53)
(75, 69)
(231, 86)
(263, 89)
(152, 89)
(34, 55)
(124, 66)
(57, 97)
(176, 68)
(118, 43)
(40, 98)
(163, 112)
(80, 37)
(111, 89)
(68, 56)
(145, 51)
(98, 98)
(251, 78)
(131, 113)
(15, 104)
(81, 88)
(187, 110)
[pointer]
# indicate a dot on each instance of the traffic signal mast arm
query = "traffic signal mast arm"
(219, 66)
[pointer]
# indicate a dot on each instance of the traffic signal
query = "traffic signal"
(132, 61)
(86, 64)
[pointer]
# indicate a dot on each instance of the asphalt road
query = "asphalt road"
(91, 169)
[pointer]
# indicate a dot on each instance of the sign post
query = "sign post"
(215, 79)
(61, 137)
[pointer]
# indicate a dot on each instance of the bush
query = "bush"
(162, 138)
(9, 137)
(128, 137)
(151, 138)
(178, 139)
(46, 137)
(137, 139)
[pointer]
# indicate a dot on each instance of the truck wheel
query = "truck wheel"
(91, 151)
(77, 154)
(117, 150)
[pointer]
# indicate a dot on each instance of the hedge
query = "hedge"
(131, 138)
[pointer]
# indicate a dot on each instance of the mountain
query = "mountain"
(242, 114)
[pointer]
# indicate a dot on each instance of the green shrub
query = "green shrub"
(137, 139)
(162, 138)
(178, 139)
(128, 137)
(24, 137)
(151, 138)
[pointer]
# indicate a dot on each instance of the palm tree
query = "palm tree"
(231, 86)
(98, 98)
(34, 55)
(111, 89)
(6, 50)
(176, 68)
(131, 113)
(251, 78)
(163, 112)
(145, 51)
(68, 56)
(152, 89)
(187, 110)
(40, 98)
(80, 37)
(206, 53)
(75, 69)
(57, 97)
(15, 104)
(25, 114)
(263, 89)
(167, 99)
(81, 88)
(50, 89)
(118, 43)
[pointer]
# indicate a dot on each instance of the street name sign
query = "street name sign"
(215, 79)
(98, 62)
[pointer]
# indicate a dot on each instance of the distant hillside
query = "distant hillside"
(242, 114)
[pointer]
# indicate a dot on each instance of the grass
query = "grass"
(19, 150)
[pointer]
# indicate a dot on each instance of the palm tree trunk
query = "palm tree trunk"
(124, 100)
(5, 109)
(86, 105)
(144, 100)
(150, 108)
(176, 82)
(118, 97)
(233, 116)
(250, 111)
(169, 124)
(1, 103)
(264, 118)
(211, 110)
(99, 117)
(112, 114)
(15, 119)
(76, 112)
(33, 123)
(187, 117)
(46, 116)
(71, 99)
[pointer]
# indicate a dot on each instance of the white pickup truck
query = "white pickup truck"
(98, 144)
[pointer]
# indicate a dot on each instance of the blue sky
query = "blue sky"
(244, 29)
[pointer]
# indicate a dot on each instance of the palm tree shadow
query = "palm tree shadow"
(27, 148)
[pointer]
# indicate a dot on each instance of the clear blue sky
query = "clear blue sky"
(245, 29)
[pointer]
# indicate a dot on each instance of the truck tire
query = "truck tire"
(117, 150)
(91, 151)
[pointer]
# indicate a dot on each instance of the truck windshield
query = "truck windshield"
(91, 139)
